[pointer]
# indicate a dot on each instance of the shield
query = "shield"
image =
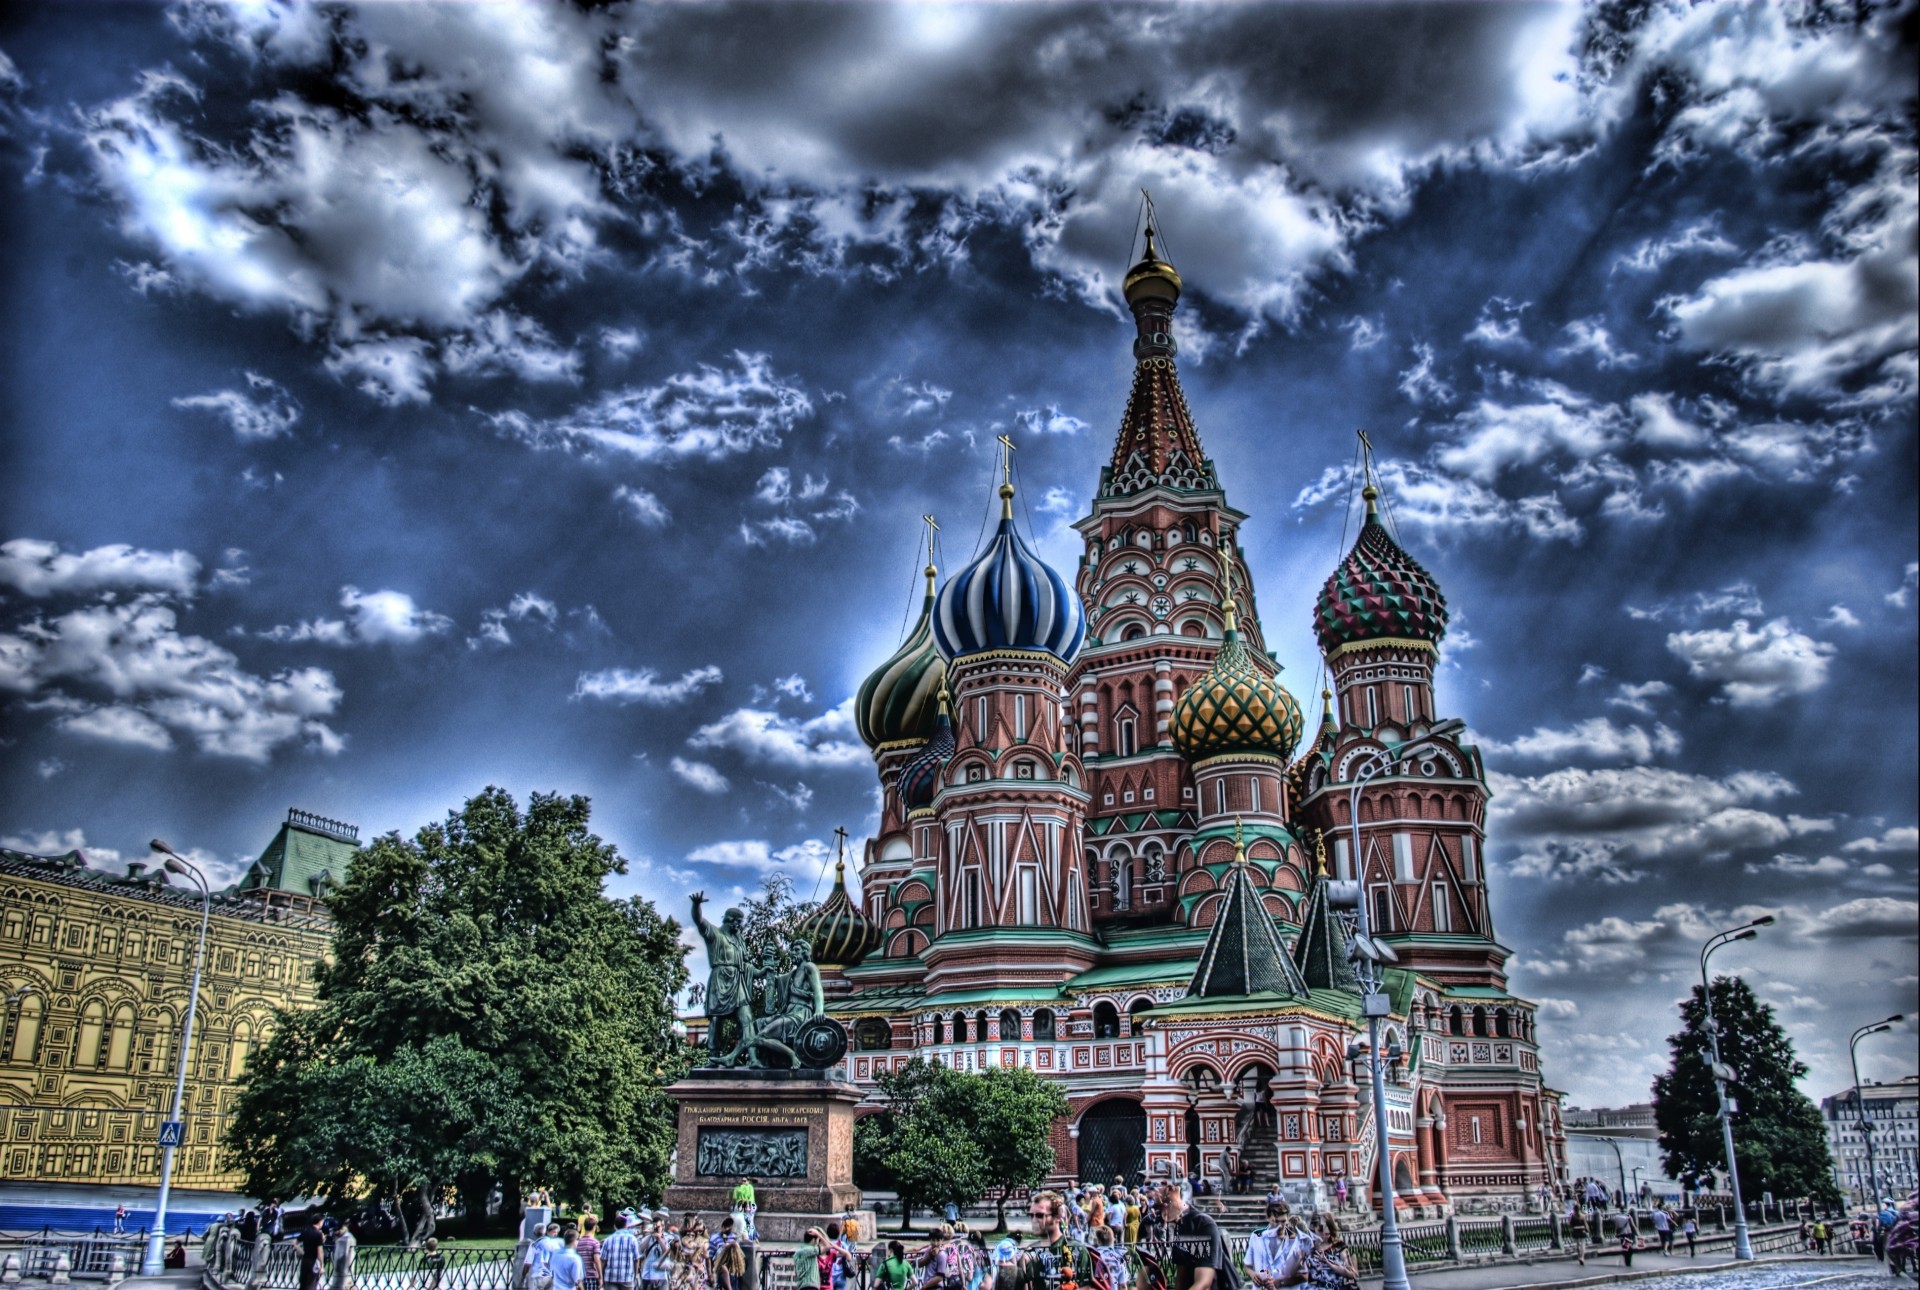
(822, 1041)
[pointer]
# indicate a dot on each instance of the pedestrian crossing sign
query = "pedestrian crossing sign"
(170, 1132)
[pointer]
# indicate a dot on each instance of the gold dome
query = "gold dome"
(1151, 277)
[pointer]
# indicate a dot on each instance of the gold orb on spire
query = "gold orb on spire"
(1152, 278)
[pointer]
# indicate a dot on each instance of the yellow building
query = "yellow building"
(94, 973)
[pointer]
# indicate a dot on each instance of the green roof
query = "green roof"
(1338, 1003)
(1162, 935)
(309, 853)
(1154, 973)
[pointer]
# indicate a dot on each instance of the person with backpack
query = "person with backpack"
(895, 1271)
(537, 1269)
(1329, 1264)
(1578, 1231)
(728, 1257)
(806, 1260)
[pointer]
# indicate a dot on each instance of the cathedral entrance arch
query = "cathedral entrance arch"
(1113, 1141)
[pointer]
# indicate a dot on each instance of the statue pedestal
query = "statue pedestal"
(788, 1132)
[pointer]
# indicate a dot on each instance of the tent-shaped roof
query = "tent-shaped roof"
(1244, 954)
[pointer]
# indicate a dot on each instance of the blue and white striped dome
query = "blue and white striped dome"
(1008, 599)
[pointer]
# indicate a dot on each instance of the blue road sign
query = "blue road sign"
(170, 1132)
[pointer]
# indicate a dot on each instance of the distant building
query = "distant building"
(1893, 1110)
(1637, 1116)
(94, 971)
(1620, 1147)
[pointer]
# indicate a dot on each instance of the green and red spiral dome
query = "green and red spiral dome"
(1379, 592)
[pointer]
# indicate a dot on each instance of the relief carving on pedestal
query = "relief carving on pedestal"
(754, 1153)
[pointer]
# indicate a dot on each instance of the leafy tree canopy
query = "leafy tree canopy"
(1778, 1136)
(489, 1013)
(1013, 1120)
(946, 1135)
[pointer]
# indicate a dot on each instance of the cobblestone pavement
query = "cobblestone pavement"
(1783, 1276)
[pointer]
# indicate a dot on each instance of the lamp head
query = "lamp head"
(1746, 934)
(1765, 920)
(159, 846)
(172, 864)
(1898, 1016)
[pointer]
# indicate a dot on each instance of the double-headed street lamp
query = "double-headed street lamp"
(1742, 1247)
(154, 1262)
(1866, 1125)
(1372, 958)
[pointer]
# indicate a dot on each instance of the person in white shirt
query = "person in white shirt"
(538, 1266)
(1274, 1255)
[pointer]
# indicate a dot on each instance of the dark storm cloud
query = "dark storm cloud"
(412, 397)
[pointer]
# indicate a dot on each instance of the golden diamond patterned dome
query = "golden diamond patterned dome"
(1235, 708)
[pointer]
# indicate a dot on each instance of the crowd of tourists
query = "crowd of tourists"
(1087, 1238)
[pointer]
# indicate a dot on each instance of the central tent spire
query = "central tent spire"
(1157, 443)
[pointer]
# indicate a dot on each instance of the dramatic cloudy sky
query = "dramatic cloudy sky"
(404, 399)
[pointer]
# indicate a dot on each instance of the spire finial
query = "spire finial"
(933, 527)
(1326, 707)
(1239, 843)
(1320, 855)
(1006, 476)
(1372, 490)
(1230, 621)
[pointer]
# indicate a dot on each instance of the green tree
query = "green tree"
(1015, 1113)
(947, 1136)
(1778, 1135)
(488, 1014)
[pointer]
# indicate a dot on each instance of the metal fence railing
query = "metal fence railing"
(89, 1256)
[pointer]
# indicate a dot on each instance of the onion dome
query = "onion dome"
(895, 703)
(921, 778)
(1379, 593)
(1008, 599)
(838, 933)
(1235, 708)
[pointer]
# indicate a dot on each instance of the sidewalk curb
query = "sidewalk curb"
(1626, 1275)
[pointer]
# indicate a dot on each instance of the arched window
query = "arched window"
(960, 1028)
(93, 1023)
(939, 1029)
(120, 1039)
(1043, 1024)
(980, 1026)
(1480, 1022)
(26, 1029)
(1456, 1021)
(1009, 1023)
(237, 1051)
(1106, 1021)
(1134, 1010)
(1122, 880)
(1133, 632)
(1501, 1028)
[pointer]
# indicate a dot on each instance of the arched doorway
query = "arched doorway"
(1113, 1141)
(1402, 1177)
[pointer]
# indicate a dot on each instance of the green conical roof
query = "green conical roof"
(1244, 953)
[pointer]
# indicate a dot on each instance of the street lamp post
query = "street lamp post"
(1742, 1246)
(1859, 1104)
(1619, 1162)
(1375, 1004)
(155, 1259)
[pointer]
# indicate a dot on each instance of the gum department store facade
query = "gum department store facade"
(94, 971)
(1103, 850)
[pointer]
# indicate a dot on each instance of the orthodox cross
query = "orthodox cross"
(933, 527)
(1366, 454)
(1006, 458)
(842, 835)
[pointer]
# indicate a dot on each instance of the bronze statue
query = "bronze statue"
(729, 987)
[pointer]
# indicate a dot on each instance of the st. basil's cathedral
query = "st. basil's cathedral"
(1104, 854)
